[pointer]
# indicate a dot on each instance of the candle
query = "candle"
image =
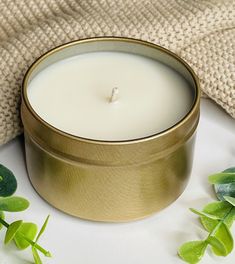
(110, 96)
(109, 127)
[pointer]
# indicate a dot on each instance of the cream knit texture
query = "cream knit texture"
(201, 31)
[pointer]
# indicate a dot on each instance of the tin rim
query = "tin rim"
(194, 107)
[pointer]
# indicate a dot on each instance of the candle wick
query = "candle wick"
(114, 95)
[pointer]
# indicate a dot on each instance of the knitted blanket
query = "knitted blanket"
(201, 31)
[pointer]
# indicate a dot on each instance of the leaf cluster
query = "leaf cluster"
(217, 219)
(23, 234)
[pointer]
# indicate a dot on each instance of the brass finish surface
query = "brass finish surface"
(109, 180)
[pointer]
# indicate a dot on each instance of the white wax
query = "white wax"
(73, 95)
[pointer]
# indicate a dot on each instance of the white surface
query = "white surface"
(152, 96)
(150, 241)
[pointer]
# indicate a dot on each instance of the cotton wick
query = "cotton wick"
(114, 95)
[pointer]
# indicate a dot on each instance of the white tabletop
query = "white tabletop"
(149, 241)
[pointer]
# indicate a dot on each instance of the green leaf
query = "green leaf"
(222, 178)
(13, 204)
(222, 190)
(219, 209)
(224, 236)
(36, 257)
(229, 199)
(3, 217)
(204, 214)
(224, 183)
(42, 229)
(231, 169)
(11, 230)
(217, 246)
(27, 229)
(8, 182)
(192, 251)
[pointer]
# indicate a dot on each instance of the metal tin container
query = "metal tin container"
(106, 180)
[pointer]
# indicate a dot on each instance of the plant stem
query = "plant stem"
(31, 242)
(220, 222)
(4, 223)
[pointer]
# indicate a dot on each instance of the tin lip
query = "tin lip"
(169, 130)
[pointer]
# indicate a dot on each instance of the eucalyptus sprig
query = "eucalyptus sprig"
(216, 218)
(22, 233)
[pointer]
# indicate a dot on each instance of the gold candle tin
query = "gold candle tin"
(106, 180)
